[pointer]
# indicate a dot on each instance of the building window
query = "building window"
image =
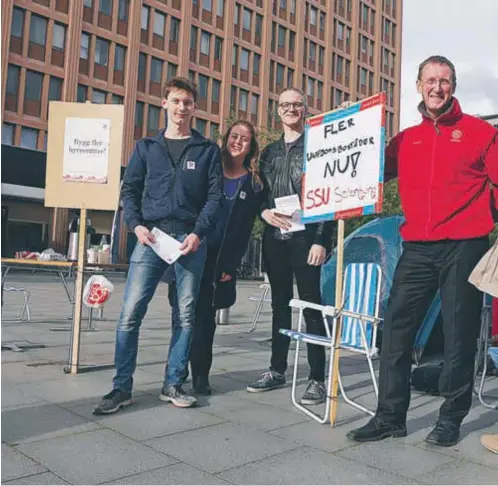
(172, 70)
(193, 38)
(219, 9)
(7, 134)
(207, 5)
(29, 138)
(259, 25)
(246, 19)
(243, 97)
(101, 52)
(145, 18)
(33, 88)
(156, 70)
(256, 61)
(340, 31)
(174, 29)
(17, 27)
(312, 52)
(203, 86)
(233, 96)
(119, 58)
(55, 89)
(153, 118)
(88, 3)
(159, 22)
(322, 21)
(281, 36)
(81, 93)
(84, 45)
(116, 99)
(38, 30)
(254, 104)
(311, 88)
(13, 80)
(98, 97)
(290, 77)
(205, 40)
(200, 125)
(244, 59)
(280, 74)
(123, 10)
(218, 48)
(58, 37)
(105, 7)
(139, 113)
(313, 16)
(142, 62)
(216, 91)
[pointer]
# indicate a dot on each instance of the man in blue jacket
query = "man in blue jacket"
(173, 182)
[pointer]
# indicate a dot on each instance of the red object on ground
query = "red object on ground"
(98, 294)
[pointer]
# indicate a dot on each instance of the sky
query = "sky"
(464, 31)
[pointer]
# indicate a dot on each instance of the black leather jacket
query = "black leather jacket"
(283, 173)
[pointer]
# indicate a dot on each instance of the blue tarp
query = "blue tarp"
(378, 241)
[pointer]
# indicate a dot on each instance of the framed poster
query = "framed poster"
(344, 162)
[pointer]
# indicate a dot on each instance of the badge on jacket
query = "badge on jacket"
(190, 165)
(242, 195)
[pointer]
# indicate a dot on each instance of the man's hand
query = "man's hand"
(277, 220)
(190, 244)
(344, 104)
(225, 277)
(144, 236)
(316, 256)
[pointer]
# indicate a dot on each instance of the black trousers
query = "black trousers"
(285, 259)
(422, 269)
(201, 351)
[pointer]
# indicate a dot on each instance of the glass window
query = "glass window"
(105, 6)
(203, 86)
(243, 95)
(290, 77)
(220, 4)
(312, 52)
(321, 56)
(259, 25)
(233, 95)
(216, 91)
(205, 40)
(322, 21)
(7, 134)
(58, 37)
(172, 70)
(218, 48)
(340, 31)
(244, 59)
(236, 14)
(363, 44)
(235, 54)
(254, 104)
(280, 74)
(193, 38)
(292, 40)
(29, 138)
(339, 65)
(153, 118)
(200, 125)
(98, 97)
(13, 73)
(320, 90)
(207, 5)
(363, 76)
(88, 3)
(142, 62)
(33, 88)
(38, 30)
(313, 16)
(311, 87)
(17, 27)
(55, 89)
(123, 10)
(102, 52)
(81, 94)
(293, 7)
(119, 58)
(256, 61)
(156, 70)
(84, 45)
(246, 19)
(159, 22)
(139, 114)
(281, 36)
(174, 29)
(145, 18)
(116, 99)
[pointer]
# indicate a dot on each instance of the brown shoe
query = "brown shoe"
(490, 442)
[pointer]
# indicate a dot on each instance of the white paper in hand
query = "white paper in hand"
(290, 206)
(166, 246)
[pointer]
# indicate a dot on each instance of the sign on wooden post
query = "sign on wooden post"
(83, 172)
(344, 178)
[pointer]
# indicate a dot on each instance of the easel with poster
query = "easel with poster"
(83, 172)
(343, 178)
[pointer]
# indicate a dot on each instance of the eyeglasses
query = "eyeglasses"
(299, 105)
(431, 82)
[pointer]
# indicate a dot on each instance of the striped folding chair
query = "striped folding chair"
(359, 315)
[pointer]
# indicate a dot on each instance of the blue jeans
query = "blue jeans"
(146, 270)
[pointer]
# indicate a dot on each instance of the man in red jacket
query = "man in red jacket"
(447, 169)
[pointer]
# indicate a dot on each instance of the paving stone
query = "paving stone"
(461, 472)
(17, 465)
(44, 478)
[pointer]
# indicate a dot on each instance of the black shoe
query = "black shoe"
(177, 396)
(201, 385)
(446, 433)
(376, 429)
(112, 402)
(269, 381)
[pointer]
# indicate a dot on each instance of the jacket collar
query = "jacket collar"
(450, 115)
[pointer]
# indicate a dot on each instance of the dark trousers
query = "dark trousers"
(285, 259)
(201, 351)
(422, 269)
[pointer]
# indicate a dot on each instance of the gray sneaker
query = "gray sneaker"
(112, 402)
(314, 394)
(269, 381)
(177, 396)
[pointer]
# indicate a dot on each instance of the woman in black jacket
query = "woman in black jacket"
(243, 190)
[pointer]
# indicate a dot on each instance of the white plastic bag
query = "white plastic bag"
(97, 291)
(485, 274)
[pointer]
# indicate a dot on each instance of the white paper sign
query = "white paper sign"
(165, 246)
(344, 158)
(86, 150)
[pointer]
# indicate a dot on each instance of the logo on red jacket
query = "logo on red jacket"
(456, 134)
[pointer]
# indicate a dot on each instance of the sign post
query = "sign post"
(83, 172)
(343, 178)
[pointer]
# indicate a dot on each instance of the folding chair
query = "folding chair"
(261, 300)
(359, 314)
(484, 350)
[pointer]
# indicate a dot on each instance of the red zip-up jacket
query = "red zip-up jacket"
(447, 173)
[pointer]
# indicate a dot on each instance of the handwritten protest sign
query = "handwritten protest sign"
(344, 162)
(86, 150)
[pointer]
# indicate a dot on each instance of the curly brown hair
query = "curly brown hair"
(251, 162)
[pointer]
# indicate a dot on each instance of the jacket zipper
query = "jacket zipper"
(431, 179)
